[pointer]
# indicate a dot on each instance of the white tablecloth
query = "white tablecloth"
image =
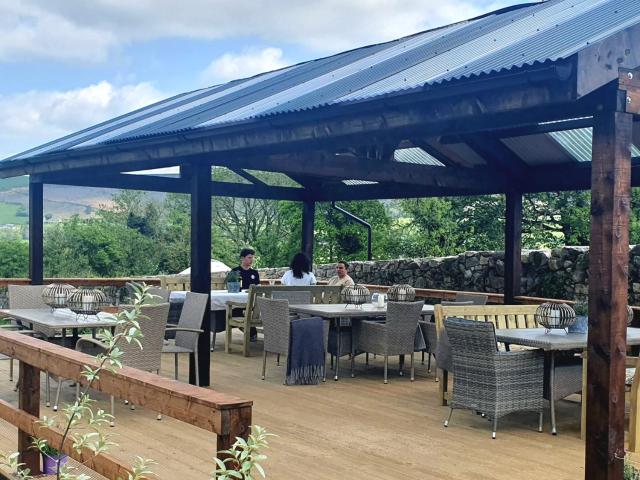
(218, 298)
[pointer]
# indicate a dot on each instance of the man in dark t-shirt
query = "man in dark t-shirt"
(250, 276)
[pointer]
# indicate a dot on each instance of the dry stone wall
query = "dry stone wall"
(558, 273)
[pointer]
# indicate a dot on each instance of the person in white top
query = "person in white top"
(299, 272)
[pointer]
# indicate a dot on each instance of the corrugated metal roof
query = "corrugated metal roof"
(503, 40)
(416, 156)
(578, 143)
(352, 182)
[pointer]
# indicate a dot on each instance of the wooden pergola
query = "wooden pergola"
(482, 134)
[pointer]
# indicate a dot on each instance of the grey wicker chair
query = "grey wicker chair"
(188, 330)
(152, 324)
(161, 293)
(30, 296)
(474, 298)
(489, 381)
(396, 336)
(276, 322)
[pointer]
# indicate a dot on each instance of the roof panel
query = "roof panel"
(502, 40)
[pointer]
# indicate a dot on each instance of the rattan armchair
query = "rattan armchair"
(489, 381)
(152, 322)
(396, 336)
(188, 330)
(276, 323)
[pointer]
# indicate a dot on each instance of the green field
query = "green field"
(8, 213)
(14, 182)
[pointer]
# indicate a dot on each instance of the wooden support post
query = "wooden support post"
(608, 270)
(237, 423)
(29, 401)
(36, 233)
(308, 219)
(512, 247)
(201, 262)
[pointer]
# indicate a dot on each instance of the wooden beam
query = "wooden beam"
(36, 232)
(512, 247)
(29, 402)
(247, 176)
(608, 271)
(513, 98)
(308, 221)
(174, 185)
(201, 264)
(498, 156)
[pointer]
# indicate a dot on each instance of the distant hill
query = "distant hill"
(60, 201)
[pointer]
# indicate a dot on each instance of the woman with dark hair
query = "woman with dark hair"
(300, 272)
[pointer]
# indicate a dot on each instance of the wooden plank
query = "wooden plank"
(238, 423)
(188, 403)
(29, 402)
(30, 424)
(513, 246)
(93, 282)
(629, 80)
(36, 232)
(608, 271)
(201, 263)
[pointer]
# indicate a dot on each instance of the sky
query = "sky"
(68, 64)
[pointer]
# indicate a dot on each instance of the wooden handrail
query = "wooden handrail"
(89, 282)
(227, 416)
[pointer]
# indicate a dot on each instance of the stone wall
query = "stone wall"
(558, 273)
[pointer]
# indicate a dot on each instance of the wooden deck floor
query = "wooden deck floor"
(356, 428)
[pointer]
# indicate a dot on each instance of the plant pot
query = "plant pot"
(50, 463)
(581, 324)
(233, 287)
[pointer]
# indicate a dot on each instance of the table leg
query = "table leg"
(337, 368)
(74, 337)
(552, 390)
(583, 400)
(64, 337)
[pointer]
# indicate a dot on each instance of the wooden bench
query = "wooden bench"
(502, 316)
(251, 317)
(183, 282)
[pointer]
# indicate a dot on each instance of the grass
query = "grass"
(8, 213)
(13, 182)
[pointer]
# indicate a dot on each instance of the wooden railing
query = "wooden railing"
(228, 417)
(85, 282)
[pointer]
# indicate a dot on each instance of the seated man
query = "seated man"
(342, 278)
(249, 276)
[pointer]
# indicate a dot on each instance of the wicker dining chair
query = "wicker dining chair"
(396, 336)
(153, 321)
(30, 296)
(188, 330)
(474, 298)
(490, 381)
(276, 322)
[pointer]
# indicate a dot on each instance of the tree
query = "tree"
(15, 259)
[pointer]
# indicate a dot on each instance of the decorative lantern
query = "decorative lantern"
(356, 295)
(555, 316)
(629, 315)
(401, 293)
(87, 301)
(55, 295)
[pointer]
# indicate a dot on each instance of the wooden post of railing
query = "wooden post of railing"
(29, 401)
(237, 422)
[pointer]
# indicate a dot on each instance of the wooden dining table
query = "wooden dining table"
(336, 311)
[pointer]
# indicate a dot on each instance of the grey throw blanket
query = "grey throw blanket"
(305, 362)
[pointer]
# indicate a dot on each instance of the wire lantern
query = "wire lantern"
(55, 295)
(87, 301)
(356, 295)
(401, 293)
(629, 314)
(555, 316)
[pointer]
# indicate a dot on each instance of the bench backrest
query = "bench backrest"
(502, 316)
(319, 294)
(183, 282)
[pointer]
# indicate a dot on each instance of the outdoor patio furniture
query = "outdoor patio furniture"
(489, 381)
(431, 337)
(187, 331)
(474, 298)
(153, 321)
(277, 323)
(396, 336)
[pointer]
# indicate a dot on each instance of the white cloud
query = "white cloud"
(33, 118)
(231, 66)
(89, 30)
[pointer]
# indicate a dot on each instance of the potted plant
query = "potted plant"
(581, 307)
(50, 459)
(233, 282)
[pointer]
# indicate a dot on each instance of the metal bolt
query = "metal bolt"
(630, 75)
(629, 100)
